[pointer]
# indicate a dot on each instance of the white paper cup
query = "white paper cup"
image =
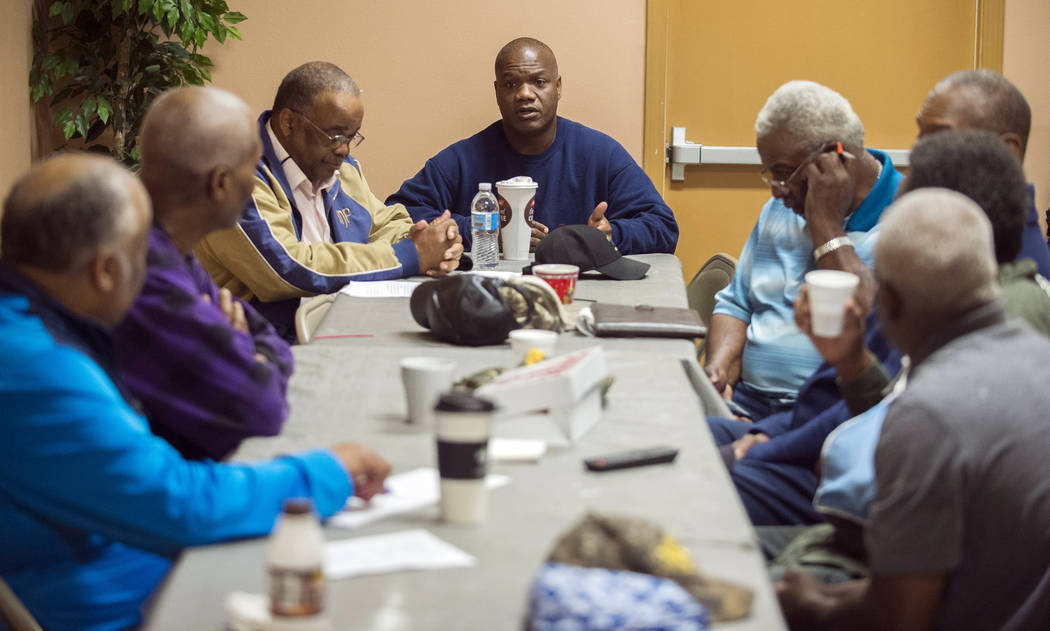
(522, 340)
(425, 379)
(516, 198)
(463, 426)
(828, 291)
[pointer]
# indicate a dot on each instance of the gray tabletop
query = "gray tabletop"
(341, 393)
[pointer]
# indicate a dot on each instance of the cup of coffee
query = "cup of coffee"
(828, 291)
(463, 426)
(517, 199)
(425, 379)
(524, 340)
(560, 277)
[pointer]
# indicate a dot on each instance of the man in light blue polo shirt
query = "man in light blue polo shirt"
(828, 194)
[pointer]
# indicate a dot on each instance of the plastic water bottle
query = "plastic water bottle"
(293, 557)
(484, 224)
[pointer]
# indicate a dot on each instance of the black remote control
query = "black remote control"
(634, 458)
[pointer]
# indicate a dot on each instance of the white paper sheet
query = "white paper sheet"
(516, 449)
(380, 288)
(393, 552)
(406, 492)
(494, 274)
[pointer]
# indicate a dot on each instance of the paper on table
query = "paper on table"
(379, 554)
(516, 449)
(406, 492)
(380, 288)
(495, 274)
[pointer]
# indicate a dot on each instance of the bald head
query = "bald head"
(935, 252)
(525, 48)
(59, 214)
(981, 100)
(187, 134)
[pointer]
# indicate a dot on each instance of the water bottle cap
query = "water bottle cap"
(484, 186)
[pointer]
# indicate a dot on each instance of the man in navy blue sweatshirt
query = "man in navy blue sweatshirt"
(584, 176)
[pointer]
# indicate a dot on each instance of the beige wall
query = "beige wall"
(16, 121)
(426, 68)
(1026, 50)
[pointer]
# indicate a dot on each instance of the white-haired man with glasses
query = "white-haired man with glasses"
(312, 224)
(828, 195)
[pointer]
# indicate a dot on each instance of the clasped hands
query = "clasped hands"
(438, 244)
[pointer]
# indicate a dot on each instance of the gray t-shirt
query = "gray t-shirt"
(963, 480)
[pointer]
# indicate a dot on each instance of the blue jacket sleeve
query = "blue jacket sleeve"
(641, 221)
(801, 446)
(77, 454)
(431, 192)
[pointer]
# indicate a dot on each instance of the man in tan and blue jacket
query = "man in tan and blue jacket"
(312, 225)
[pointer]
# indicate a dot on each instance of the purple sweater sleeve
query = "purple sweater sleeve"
(198, 379)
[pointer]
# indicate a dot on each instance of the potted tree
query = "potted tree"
(101, 62)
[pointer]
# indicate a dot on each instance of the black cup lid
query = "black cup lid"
(463, 402)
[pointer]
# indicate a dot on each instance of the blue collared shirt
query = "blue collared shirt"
(778, 357)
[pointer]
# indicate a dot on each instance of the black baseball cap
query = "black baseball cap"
(587, 248)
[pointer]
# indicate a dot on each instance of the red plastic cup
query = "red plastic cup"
(561, 277)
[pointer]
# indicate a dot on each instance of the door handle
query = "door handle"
(681, 152)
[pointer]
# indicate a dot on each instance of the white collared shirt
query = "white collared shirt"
(308, 199)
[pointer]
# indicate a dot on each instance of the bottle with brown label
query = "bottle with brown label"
(294, 563)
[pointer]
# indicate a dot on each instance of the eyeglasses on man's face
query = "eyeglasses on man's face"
(337, 140)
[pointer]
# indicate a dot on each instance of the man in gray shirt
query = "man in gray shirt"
(958, 536)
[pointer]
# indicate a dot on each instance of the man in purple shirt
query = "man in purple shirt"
(207, 368)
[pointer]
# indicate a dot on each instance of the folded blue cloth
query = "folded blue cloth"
(571, 598)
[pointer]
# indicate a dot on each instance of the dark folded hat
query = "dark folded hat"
(479, 310)
(586, 247)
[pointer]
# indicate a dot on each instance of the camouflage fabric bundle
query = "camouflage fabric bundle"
(628, 543)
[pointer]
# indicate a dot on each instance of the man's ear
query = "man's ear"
(557, 85)
(219, 184)
(282, 121)
(103, 270)
(892, 304)
(1013, 141)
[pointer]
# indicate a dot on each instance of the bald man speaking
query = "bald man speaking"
(208, 369)
(584, 176)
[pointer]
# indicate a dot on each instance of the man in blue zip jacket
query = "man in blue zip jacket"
(93, 507)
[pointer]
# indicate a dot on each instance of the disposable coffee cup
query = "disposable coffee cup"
(463, 427)
(828, 291)
(561, 277)
(425, 379)
(517, 198)
(524, 340)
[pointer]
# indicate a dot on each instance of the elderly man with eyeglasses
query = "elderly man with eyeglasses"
(828, 195)
(312, 224)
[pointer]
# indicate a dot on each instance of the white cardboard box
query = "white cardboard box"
(556, 400)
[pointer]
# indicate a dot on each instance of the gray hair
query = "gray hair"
(936, 250)
(1000, 107)
(302, 85)
(813, 113)
(58, 214)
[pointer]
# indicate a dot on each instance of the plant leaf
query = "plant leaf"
(105, 108)
(88, 106)
(233, 17)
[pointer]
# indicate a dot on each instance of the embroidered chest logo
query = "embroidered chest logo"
(344, 217)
